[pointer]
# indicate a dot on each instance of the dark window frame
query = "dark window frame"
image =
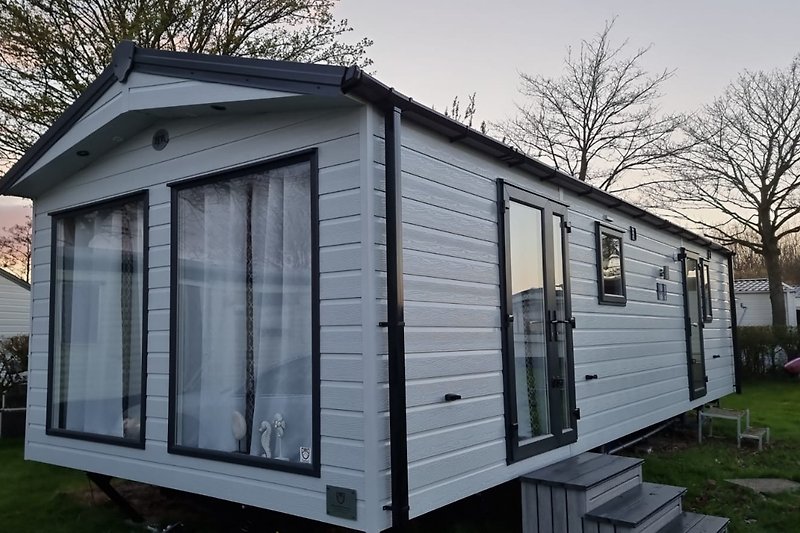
(314, 469)
(684, 255)
(603, 298)
(55, 217)
(705, 279)
(507, 193)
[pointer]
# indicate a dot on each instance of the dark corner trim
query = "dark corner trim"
(737, 355)
(122, 59)
(144, 197)
(396, 326)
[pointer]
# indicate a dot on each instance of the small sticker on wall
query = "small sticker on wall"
(305, 454)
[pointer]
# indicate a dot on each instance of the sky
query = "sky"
(436, 49)
(433, 50)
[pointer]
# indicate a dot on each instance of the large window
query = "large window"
(610, 266)
(97, 322)
(245, 384)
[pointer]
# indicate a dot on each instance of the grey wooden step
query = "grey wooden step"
(688, 522)
(583, 471)
(643, 509)
(556, 497)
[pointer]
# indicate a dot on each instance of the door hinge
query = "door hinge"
(706, 378)
(557, 383)
(567, 226)
(577, 413)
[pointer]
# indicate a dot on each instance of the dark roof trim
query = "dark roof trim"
(59, 128)
(284, 76)
(364, 86)
(324, 80)
(14, 279)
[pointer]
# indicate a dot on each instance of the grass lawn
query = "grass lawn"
(703, 469)
(37, 497)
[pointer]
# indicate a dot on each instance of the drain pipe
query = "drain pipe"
(737, 356)
(396, 324)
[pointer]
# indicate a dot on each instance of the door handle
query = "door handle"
(557, 383)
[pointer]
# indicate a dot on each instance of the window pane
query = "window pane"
(244, 350)
(559, 268)
(97, 321)
(611, 247)
(707, 303)
(530, 343)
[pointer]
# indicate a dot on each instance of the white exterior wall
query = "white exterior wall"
(452, 315)
(198, 146)
(15, 309)
(757, 310)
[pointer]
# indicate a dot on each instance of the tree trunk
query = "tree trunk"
(775, 276)
(584, 168)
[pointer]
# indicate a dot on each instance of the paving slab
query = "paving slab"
(767, 485)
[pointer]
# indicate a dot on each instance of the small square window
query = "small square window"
(610, 266)
(706, 291)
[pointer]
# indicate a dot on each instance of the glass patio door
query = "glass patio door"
(692, 299)
(537, 325)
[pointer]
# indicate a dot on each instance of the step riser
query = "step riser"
(652, 524)
(548, 509)
(600, 494)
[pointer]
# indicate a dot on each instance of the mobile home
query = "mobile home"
(294, 282)
(755, 307)
(15, 305)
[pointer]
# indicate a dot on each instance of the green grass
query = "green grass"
(38, 497)
(703, 469)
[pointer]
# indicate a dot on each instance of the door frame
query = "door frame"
(514, 452)
(683, 256)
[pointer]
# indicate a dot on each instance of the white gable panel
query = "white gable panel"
(145, 96)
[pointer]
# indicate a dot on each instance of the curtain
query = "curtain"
(98, 335)
(244, 313)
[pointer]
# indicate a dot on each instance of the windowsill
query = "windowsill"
(93, 437)
(247, 460)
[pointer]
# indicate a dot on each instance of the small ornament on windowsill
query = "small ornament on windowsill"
(280, 427)
(239, 429)
(266, 432)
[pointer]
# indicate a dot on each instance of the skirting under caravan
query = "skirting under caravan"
(292, 287)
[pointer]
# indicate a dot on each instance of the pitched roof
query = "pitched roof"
(756, 285)
(14, 279)
(324, 80)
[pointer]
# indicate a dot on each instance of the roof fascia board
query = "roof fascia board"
(14, 279)
(357, 82)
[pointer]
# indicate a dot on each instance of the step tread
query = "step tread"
(720, 412)
(636, 505)
(688, 522)
(754, 432)
(583, 471)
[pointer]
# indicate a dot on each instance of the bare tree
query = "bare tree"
(50, 50)
(16, 249)
(739, 179)
(467, 116)
(747, 263)
(599, 120)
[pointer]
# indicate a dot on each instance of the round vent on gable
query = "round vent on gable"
(160, 139)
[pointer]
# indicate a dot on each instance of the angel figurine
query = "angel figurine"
(280, 427)
(266, 431)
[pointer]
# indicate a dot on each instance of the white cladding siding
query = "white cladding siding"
(15, 308)
(199, 146)
(452, 315)
(755, 308)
